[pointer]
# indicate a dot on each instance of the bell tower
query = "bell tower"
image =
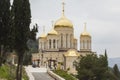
(85, 40)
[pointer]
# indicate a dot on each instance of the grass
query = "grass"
(8, 72)
(4, 74)
(64, 75)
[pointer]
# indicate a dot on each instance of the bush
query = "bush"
(8, 72)
(64, 74)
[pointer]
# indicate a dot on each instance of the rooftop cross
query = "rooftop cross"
(52, 24)
(85, 26)
(43, 29)
(63, 7)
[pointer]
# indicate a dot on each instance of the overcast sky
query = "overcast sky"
(102, 18)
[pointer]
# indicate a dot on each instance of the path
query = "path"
(42, 76)
(38, 73)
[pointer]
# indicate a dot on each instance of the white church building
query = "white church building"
(58, 48)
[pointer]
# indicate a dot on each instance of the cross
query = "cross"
(63, 4)
(85, 26)
(52, 23)
(43, 29)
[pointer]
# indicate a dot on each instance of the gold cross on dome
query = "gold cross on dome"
(63, 9)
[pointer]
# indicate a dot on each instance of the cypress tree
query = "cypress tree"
(4, 28)
(22, 21)
(116, 71)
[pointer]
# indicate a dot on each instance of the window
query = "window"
(87, 44)
(49, 43)
(83, 44)
(54, 43)
(71, 41)
(66, 40)
(61, 40)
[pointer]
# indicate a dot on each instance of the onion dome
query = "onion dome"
(43, 36)
(53, 32)
(85, 33)
(63, 22)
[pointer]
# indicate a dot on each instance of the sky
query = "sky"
(102, 18)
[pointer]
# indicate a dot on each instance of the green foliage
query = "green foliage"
(64, 74)
(92, 67)
(4, 21)
(114, 73)
(22, 19)
(4, 29)
(32, 46)
(33, 32)
(27, 59)
(8, 72)
(4, 72)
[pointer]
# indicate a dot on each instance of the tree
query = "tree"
(32, 46)
(116, 71)
(92, 67)
(4, 28)
(22, 19)
(33, 32)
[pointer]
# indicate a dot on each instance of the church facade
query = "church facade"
(58, 48)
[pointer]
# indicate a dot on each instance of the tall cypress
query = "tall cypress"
(22, 19)
(116, 71)
(4, 28)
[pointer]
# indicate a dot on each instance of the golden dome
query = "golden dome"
(72, 52)
(85, 33)
(63, 22)
(53, 32)
(43, 36)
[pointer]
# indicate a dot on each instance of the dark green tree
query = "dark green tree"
(33, 32)
(32, 46)
(22, 19)
(92, 67)
(4, 28)
(116, 71)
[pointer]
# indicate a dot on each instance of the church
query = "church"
(58, 48)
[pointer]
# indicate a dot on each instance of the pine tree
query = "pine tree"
(22, 21)
(4, 28)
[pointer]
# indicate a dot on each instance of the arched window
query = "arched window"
(61, 40)
(87, 44)
(49, 43)
(71, 41)
(57, 43)
(54, 43)
(66, 40)
(83, 44)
